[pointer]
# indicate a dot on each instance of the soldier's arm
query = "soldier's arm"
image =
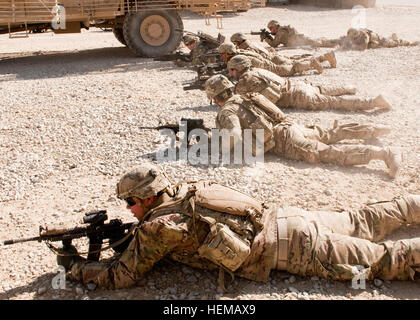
(229, 121)
(276, 41)
(151, 242)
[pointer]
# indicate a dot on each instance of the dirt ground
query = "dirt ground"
(71, 107)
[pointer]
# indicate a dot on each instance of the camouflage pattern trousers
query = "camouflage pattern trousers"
(304, 95)
(342, 245)
(312, 144)
(301, 40)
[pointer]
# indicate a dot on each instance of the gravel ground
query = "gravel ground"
(71, 107)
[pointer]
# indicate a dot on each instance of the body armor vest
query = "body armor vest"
(275, 84)
(234, 219)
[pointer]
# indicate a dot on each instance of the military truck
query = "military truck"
(148, 27)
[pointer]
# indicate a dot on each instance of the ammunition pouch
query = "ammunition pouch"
(224, 247)
(271, 94)
(268, 107)
(262, 123)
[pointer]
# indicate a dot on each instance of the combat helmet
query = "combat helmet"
(189, 39)
(216, 85)
(228, 48)
(239, 63)
(142, 182)
(352, 32)
(273, 23)
(238, 37)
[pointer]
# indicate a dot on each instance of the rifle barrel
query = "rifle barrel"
(13, 241)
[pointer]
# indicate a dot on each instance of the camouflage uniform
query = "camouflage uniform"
(206, 45)
(325, 244)
(289, 37)
(362, 39)
(180, 228)
(245, 44)
(333, 244)
(311, 144)
(287, 93)
(288, 68)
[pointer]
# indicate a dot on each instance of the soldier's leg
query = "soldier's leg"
(291, 143)
(303, 95)
(388, 43)
(354, 103)
(283, 70)
(337, 90)
(358, 155)
(301, 40)
(330, 57)
(302, 66)
(312, 251)
(372, 222)
(345, 131)
(278, 59)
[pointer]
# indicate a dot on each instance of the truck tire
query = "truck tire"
(153, 33)
(118, 33)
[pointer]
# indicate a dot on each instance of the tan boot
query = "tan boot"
(330, 57)
(380, 131)
(381, 103)
(316, 65)
(393, 162)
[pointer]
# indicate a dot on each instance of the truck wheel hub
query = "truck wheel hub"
(155, 30)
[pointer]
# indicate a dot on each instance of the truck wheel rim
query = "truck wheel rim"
(155, 30)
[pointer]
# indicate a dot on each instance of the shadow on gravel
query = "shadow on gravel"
(209, 108)
(300, 165)
(42, 281)
(268, 158)
(68, 63)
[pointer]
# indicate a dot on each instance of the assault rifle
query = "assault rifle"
(96, 231)
(198, 83)
(204, 72)
(210, 68)
(204, 37)
(174, 56)
(263, 33)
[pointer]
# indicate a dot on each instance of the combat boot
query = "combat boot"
(393, 161)
(379, 131)
(413, 202)
(330, 57)
(381, 103)
(316, 65)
